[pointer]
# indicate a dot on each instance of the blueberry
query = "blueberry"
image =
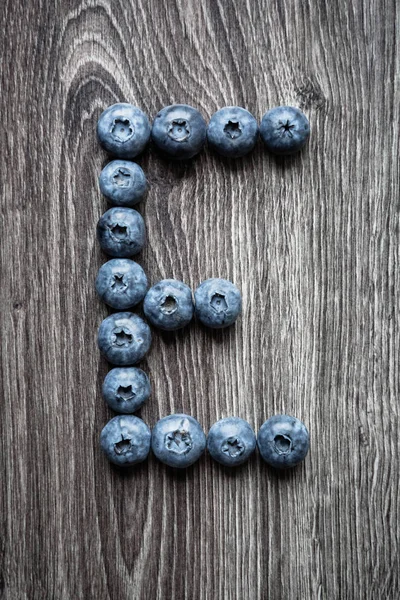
(284, 129)
(217, 303)
(232, 131)
(169, 304)
(123, 183)
(231, 441)
(178, 440)
(123, 130)
(125, 440)
(283, 441)
(179, 131)
(126, 389)
(124, 338)
(121, 283)
(121, 232)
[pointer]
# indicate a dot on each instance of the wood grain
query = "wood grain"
(312, 241)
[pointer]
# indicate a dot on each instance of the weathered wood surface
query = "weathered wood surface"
(312, 241)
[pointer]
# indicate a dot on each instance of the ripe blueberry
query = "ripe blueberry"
(123, 183)
(124, 338)
(179, 131)
(121, 232)
(232, 131)
(231, 441)
(123, 130)
(217, 303)
(125, 440)
(169, 304)
(284, 129)
(178, 440)
(126, 389)
(283, 441)
(121, 283)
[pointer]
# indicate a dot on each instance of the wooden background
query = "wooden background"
(313, 243)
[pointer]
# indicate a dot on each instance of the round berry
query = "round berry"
(283, 441)
(169, 304)
(121, 283)
(121, 232)
(231, 441)
(232, 131)
(125, 440)
(179, 131)
(178, 440)
(123, 130)
(126, 389)
(123, 183)
(217, 303)
(124, 338)
(284, 130)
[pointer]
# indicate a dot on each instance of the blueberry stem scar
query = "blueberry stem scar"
(232, 129)
(122, 338)
(286, 128)
(119, 231)
(123, 446)
(125, 392)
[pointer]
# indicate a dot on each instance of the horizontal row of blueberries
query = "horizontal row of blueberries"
(124, 338)
(178, 441)
(179, 131)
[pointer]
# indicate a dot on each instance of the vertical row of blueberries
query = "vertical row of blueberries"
(178, 132)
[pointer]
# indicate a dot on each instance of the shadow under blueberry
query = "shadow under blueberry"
(184, 474)
(218, 335)
(283, 162)
(230, 472)
(170, 338)
(245, 162)
(130, 472)
(284, 474)
(166, 168)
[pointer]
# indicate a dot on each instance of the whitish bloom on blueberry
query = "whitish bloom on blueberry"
(123, 130)
(232, 131)
(124, 338)
(179, 131)
(126, 389)
(284, 130)
(178, 440)
(231, 441)
(121, 232)
(123, 183)
(169, 304)
(283, 441)
(121, 283)
(125, 440)
(218, 303)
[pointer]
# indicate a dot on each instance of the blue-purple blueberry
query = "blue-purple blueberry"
(232, 131)
(125, 440)
(178, 440)
(231, 441)
(121, 283)
(169, 305)
(126, 389)
(284, 130)
(218, 303)
(179, 131)
(283, 441)
(121, 232)
(123, 130)
(123, 183)
(124, 338)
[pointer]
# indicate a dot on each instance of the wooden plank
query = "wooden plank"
(313, 243)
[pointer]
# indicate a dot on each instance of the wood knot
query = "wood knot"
(309, 94)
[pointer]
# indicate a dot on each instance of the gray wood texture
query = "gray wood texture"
(313, 243)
